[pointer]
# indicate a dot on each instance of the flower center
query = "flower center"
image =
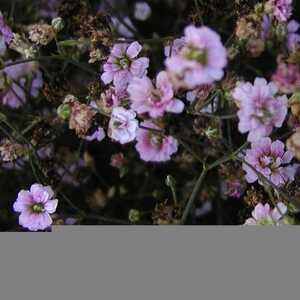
(268, 162)
(155, 139)
(155, 96)
(38, 207)
(266, 221)
(124, 62)
(199, 55)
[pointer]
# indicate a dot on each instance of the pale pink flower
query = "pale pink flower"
(123, 125)
(35, 207)
(287, 78)
(200, 61)
(145, 98)
(20, 78)
(118, 160)
(153, 146)
(260, 110)
(282, 9)
(111, 98)
(123, 64)
(270, 160)
(263, 215)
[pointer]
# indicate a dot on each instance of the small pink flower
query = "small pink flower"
(270, 160)
(145, 98)
(118, 160)
(152, 146)
(5, 30)
(200, 61)
(233, 187)
(123, 125)
(111, 98)
(19, 77)
(35, 207)
(123, 64)
(263, 215)
(97, 135)
(287, 78)
(259, 109)
(282, 9)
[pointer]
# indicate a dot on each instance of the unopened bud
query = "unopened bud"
(134, 215)
(57, 24)
(64, 111)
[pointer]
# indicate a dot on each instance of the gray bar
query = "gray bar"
(141, 263)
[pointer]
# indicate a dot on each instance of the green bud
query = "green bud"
(170, 181)
(57, 24)
(64, 111)
(212, 133)
(134, 215)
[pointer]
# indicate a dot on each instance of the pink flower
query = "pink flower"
(200, 61)
(123, 125)
(233, 187)
(97, 135)
(123, 64)
(35, 207)
(111, 98)
(259, 109)
(282, 9)
(269, 159)
(153, 146)
(263, 215)
(118, 160)
(5, 30)
(293, 38)
(287, 78)
(18, 78)
(145, 98)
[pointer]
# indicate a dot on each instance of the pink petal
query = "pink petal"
(134, 49)
(51, 206)
(175, 106)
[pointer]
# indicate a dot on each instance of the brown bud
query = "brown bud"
(293, 144)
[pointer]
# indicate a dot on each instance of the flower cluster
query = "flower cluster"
(132, 114)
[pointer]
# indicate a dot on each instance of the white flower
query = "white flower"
(123, 125)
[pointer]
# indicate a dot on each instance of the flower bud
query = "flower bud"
(295, 104)
(57, 24)
(64, 111)
(134, 215)
(293, 144)
(170, 181)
